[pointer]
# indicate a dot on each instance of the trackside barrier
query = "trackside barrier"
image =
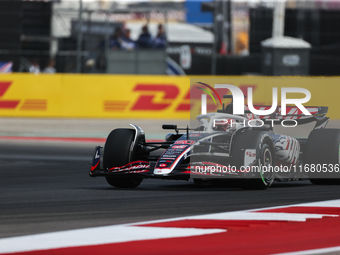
(139, 96)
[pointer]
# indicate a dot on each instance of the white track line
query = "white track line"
(329, 203)
(330, 250)
(133, 232)
(95, 236)
(260, 216)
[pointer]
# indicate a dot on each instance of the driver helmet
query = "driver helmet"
(223, 125)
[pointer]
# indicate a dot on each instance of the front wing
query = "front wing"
(145, 169)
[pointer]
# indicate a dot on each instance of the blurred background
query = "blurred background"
(230, 37)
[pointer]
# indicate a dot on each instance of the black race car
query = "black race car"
(224, 147)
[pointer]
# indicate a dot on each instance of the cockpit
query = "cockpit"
(225, 122)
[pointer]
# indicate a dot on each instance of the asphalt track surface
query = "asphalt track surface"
(45, 187)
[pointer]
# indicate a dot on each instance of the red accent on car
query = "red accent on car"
(94, 167)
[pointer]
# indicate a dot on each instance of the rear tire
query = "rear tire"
(265, 156)
(118, 152)
(323, 148)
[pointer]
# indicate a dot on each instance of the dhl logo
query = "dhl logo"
(7, 104)
(25, 105)
(160, 97)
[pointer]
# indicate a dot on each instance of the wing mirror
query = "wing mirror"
(167, 126)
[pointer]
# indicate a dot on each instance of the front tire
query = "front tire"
(118, 151)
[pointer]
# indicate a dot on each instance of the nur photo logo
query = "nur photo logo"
(238, 106)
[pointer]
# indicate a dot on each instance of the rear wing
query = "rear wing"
(318, 114)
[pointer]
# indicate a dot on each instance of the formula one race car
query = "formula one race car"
(224, 147)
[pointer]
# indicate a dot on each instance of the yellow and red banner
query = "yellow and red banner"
(138, 96)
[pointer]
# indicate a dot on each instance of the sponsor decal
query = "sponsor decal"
(7, 104)
(131, 166)
(251, 153)
(147, 101)
(97, 155)
(117, 169)
(193, 135)
(162, 171)
(115, 106)
(249, 157)
(158, 97)
(184, 142)
(169, 156)
(145, 96)
(27, 105)
(151, 97)
(179, 146)
(138, 171)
